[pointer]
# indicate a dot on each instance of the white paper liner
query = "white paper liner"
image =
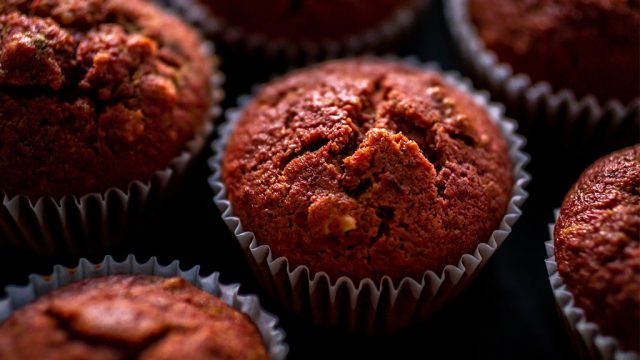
(87, 224)
(588, 338)
(367, 306)
(536, 102)
(272, 336)
(379, 37)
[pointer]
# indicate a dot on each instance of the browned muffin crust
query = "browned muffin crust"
(299, 20)
(589, 46)
(597, 244)
(367, 168)
(130, 317)
(94, 94)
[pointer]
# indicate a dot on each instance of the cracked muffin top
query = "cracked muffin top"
(367, 168)
(597, 244)
(94, 94)
(130, 317)
(310, 20)
(588, 46)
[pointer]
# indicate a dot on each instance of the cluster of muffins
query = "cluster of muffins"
(573, 67)
(103, 106)
(364, 192)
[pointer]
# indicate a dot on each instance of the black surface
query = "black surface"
(507, 313)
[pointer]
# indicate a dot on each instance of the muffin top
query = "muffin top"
(94, 93)
(129, 317)
(589, 46)
(597, 244)
(311, 20)
(367, 168)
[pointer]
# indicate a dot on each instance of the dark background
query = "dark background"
(508, 312)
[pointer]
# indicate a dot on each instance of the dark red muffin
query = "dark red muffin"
(130, 317)
(367, 168)
(310, 20)
(94, 94)
(597, 244)
(588, 46)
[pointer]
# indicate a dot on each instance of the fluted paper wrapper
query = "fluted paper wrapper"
(537, 103)
(379, 37)
(272, 336)
(368, 306)
(93, 222)
(587, 338)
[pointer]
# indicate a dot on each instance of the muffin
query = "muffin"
(597, 245)
(95, 94)
(103, 107)
(360, 110)
(588, 46)
(281, 32)
(130, 317)
(367, 168)
(291, 20)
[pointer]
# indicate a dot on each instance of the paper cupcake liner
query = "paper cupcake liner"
(586, 335)
(378, 37)
(272, 336)
(537, 104)
(368, 306)
(92, 222)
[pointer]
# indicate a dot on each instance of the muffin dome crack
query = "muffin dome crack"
(130, 317)
(133, 350)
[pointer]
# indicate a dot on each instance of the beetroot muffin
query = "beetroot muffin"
(367, 168)
(94, 94)
(597, 244)
(130, 317)
(310, 20)
(588, 46)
